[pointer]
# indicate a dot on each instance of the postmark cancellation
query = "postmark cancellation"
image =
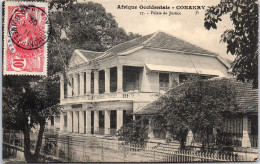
(25, 38)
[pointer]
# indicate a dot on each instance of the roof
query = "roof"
(90, 55)
(158, 40)
(246, 98)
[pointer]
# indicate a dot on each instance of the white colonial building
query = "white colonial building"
(102, 89)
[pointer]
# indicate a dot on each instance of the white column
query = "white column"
(120, 78)
(173, 79)
(96, 121)
(81, 121)
(81, 80)
(75, 121)
(76, 84)
(88, 121)
(69, 86)
(88, 81)
(107, 122)
(96, 78)
(69, 121)
(107, 80)
(245, 139)
(61, 121)
(119, 119)
(150, 133)
(61, 87)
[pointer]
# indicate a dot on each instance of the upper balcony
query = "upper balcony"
(134, 96)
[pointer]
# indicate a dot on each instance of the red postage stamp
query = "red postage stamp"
(25, 38)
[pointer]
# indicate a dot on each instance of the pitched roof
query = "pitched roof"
(90, 55)
(159, 40)
(246, 98)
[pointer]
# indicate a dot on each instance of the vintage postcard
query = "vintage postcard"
(25, 38)
(130, 81)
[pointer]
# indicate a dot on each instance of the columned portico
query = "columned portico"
(75, 87)
(107, 80)
(81, 80)
(69, 121)
(96, 121)
(119, 119)
(81, 121)
(88, 121)
(107, 122)
(61, 87)
(69, 86)
(61, 121)
(245, 140)
(88, 81)
(120, 78)
(75, 121)
(96, 77)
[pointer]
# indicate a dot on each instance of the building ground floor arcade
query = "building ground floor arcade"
(91, 118)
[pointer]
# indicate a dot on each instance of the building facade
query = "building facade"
(101, 90)
(240, 130)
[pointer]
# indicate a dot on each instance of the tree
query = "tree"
(83, 26)
(135, 132)
(28, 100)
(197, 105)
(242, 41)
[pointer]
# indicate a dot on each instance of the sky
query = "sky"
(189, 25)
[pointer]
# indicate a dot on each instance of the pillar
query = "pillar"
(75, 122)
(69, 86)
(107, 80)
(61, 87)
(81, 121)
(96, 121)
(76, 84)
(61, 121)
(81, 80)
(120, 78)
(150, 132)
(88, 81)
(96, 77)
(69, 121)
(173, 79)
(107, 122)
(119, 119)
(88, 121)
(245, 139)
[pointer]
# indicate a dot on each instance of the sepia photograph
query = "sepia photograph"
(160, 81)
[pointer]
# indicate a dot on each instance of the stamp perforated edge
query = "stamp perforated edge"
(24, 73)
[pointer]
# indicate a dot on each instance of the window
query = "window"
(164, 81)
(131, 78)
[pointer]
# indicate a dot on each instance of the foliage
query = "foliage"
(31, 100)
(197, 105)
(135, 132)
(83, 26)
(242, 41)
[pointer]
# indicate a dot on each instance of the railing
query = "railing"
(112, 131)
(131, 95)
(254, 140)
(101, 131)
(230, 139)
(92, 149)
